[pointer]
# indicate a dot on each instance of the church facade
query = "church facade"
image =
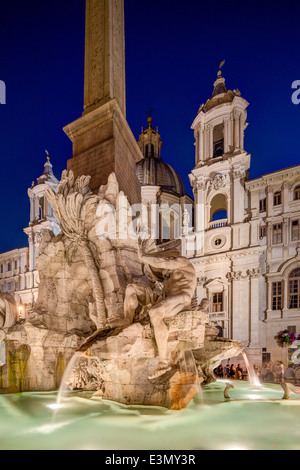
(248, 261)
(18, 274)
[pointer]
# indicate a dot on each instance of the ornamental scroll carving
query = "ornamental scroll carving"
(253, 273)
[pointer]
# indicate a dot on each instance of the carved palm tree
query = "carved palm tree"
(75, 205)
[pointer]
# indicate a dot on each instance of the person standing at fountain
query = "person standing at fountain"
(239, 372)
(290, 375)
(267, 375)
(232, 371)
(278, 370)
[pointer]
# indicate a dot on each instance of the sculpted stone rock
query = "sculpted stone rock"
(288, 389)
(227, 388)
(8, 311)
(176, 278)
(126, 304)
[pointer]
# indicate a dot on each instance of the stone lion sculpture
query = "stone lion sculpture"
(8, 311)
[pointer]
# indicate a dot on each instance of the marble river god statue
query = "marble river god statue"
(123, 304)
(177, 279)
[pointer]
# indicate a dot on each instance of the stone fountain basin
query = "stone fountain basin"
(95, 424)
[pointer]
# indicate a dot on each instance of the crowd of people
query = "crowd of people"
(271, 373)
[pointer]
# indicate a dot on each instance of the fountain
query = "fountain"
(94, 333)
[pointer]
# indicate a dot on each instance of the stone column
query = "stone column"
(242, 127)
(197, 137)
(236, 131)
(211, 142)
(199, 216)
(226, 136)
(200, 144)
(240, 306)
(254, 306)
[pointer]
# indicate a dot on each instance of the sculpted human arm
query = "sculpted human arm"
(159, 262)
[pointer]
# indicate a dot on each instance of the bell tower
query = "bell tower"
(102, 139)
(150, 142)
(41, 214)
(221, 165)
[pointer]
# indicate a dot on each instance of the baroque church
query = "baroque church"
(243, 235)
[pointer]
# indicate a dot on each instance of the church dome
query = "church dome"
(151, 170)
(154, 172)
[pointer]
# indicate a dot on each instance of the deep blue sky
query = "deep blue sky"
(172, 54)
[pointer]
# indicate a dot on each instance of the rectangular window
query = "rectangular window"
(297, 193)
(277, 234)
(295, 230)
(263, 231)
(294, 293)
(266, 357)
(292, 329)
(263, 205)
(277, 198)
(217, 302)
(277, 295)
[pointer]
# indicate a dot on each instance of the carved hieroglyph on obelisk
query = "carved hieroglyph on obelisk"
(102, 140)
(104, 54)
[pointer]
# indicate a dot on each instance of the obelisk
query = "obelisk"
(102, 140)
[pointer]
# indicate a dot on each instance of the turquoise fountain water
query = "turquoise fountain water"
(252, 419)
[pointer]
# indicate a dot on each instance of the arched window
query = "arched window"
(218, 208)
(147, 151)
(297, 193)
(218, 140)
(294, 289)
(41, 208)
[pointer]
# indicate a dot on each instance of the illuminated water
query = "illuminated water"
(253, 419)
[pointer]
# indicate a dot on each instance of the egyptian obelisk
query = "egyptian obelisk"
(102, 140)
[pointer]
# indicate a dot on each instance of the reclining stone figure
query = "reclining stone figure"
(176, 278)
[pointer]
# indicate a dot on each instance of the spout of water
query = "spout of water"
(189, 370)
(253, 378)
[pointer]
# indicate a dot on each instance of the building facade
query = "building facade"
(18, 274)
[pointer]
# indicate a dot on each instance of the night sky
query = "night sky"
(172, 53)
